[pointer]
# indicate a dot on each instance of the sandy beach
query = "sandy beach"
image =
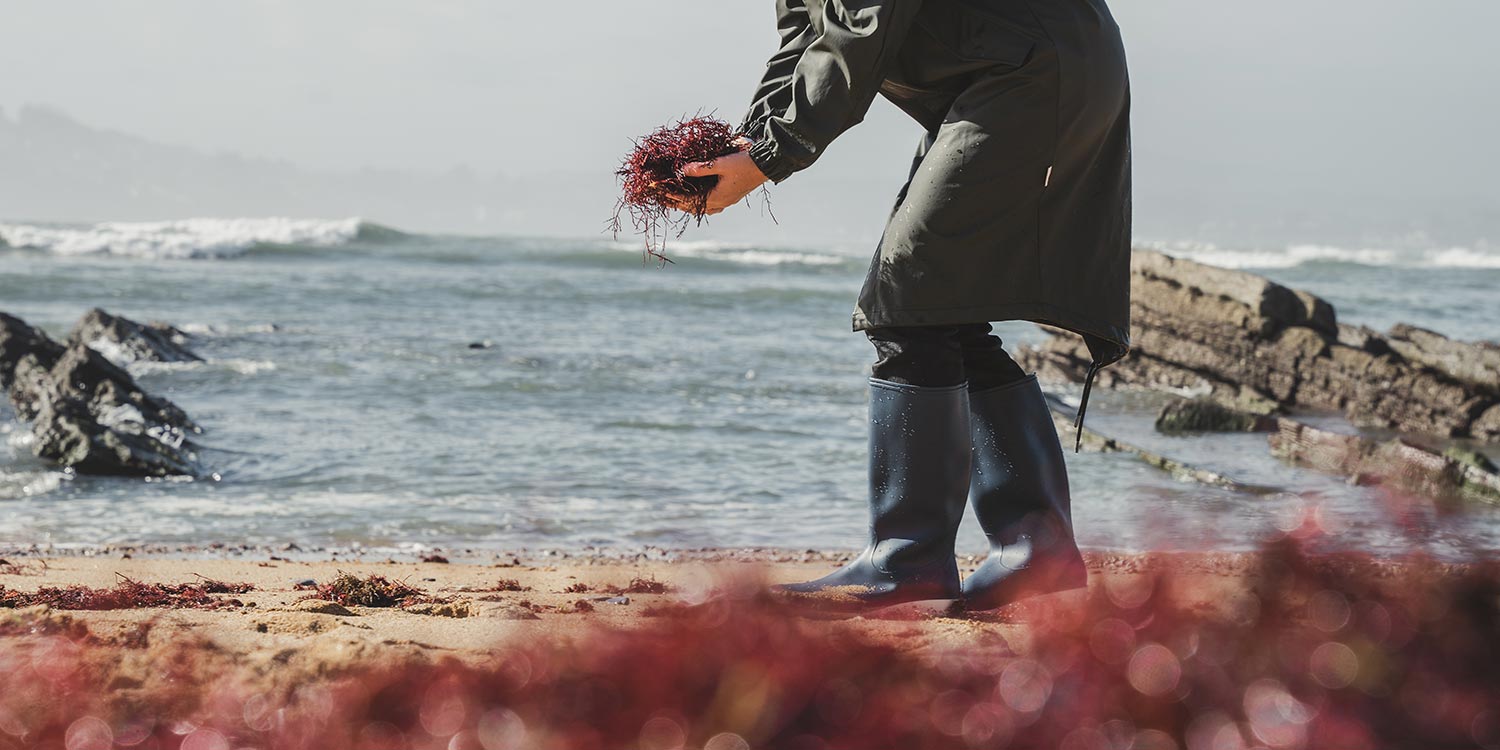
(486, 603)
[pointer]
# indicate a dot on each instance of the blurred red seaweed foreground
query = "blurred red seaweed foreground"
(1317, 652)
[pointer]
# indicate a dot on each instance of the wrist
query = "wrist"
(772, 165)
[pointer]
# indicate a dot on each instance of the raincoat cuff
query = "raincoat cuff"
(773, 164)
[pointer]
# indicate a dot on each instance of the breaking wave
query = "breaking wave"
(1291, 256)
(741, 253)
(189, 238)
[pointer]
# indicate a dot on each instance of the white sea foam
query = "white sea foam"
(15, 485)
(187, 238)
(734, 252)
(241, 366)
(208, 329)
(18, 440)
(112, 351)
(1463, 257)
(1297, 255)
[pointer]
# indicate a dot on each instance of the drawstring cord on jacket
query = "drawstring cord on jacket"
(1083, 405)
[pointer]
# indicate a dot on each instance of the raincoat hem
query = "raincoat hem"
(1029, 311)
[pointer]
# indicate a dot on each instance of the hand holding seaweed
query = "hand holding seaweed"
(735, 175)
(673, 175)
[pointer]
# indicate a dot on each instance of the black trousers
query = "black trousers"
(939, 356)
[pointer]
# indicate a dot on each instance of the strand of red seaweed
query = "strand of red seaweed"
(652, 182)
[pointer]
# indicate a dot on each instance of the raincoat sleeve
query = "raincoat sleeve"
(832, 81)
(774, 94)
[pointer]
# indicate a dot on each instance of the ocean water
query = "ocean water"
(718, 401)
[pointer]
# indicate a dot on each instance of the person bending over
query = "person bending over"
(1017, 207)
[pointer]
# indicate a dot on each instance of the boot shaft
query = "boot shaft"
(1020, 478)
(919, 470)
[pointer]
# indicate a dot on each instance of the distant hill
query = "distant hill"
(54, 168)
(57, 169)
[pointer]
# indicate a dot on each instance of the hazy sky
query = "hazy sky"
(1242, 110)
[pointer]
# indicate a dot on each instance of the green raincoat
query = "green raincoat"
(1018, 203)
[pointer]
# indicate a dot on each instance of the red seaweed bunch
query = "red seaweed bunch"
(130, 594)
(372, 591)
(651, 176)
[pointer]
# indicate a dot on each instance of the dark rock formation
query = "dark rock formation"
(84, 375)
(87, 413)
(1257, 346)
(1397, 463)
(124, 341)
(18, 340)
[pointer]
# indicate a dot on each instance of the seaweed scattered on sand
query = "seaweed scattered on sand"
(371, 591)
(130, 594)
(23, 568)
(640, 585)
(637, 585)
(504, 584)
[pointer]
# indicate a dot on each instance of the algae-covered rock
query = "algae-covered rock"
(1207, 415)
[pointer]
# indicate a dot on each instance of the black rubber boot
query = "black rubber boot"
(919, 479)
(1020, 496)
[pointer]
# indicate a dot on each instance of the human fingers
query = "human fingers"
(700, 169)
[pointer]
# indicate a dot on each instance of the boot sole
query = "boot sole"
(922, 609)
(1065, 604)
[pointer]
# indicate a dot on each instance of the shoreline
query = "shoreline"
(591, 555)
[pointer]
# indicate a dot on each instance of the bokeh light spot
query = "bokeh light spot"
(1153, 739)
(89, 733)
(661, 733)
(443, 711)
(1213, 730)
(204, 739)
(1334, 665)
(1276, 717)
(1328, 611)
(1154, 670)
(501, 729)
(726, 741)
(1025, 686)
